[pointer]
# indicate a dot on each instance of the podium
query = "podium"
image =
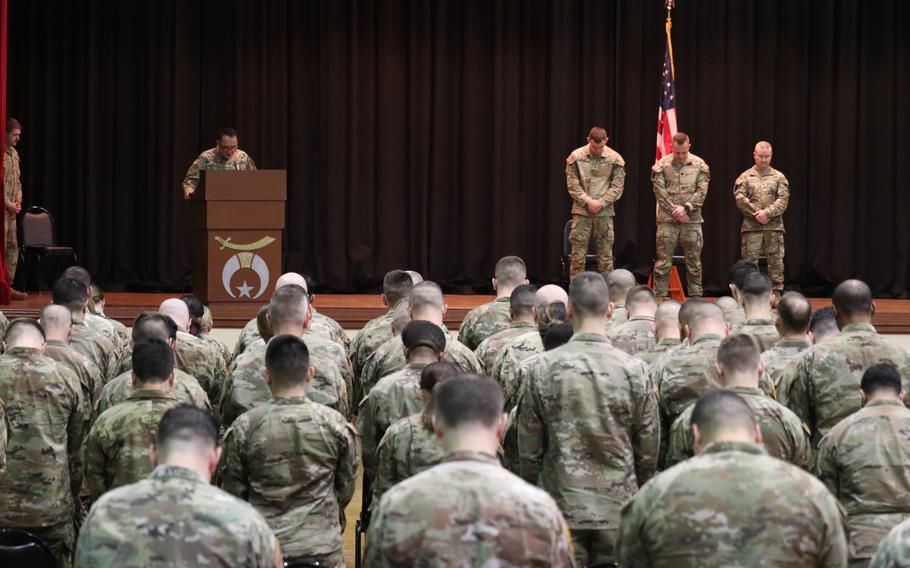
(238, 224)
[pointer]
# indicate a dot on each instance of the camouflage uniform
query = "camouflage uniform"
(12, 190)
(390, 358)
(118, 337)
(894, 550)
(94, 345)
(320, 325)
(4, 436)
(376, 332)
(174, 518)
(186, 389)
(117, 447)
(782, 356)
(246, 389)
(660, 347)
(783, 434)
(407, 448)
(767, 191)
(675, 184)
(732, 505)
(212, 159)
(490, 347)
(4, 323)
(736, 318)
(825, 386)
(248, 335)
(467, 511)
(864, 462)
(219, 347)
(89, 375)
(394, 397)
(483, 321)
(296, 462)
(618, 316)
(633, 336)
(593, 178)
(44, 405)
(588, 433)
(505, 367)
(762, 329)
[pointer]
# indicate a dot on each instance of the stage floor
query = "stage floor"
(352, 311)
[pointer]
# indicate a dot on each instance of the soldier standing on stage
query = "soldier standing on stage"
(224, 156)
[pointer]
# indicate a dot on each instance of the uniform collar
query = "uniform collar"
(471, 456)
(641, 318)
(858, 328)
(670, 341)
(721, 447)
(166, 472)
(706, 338)
(589, 336)
(759, 321)
(503, 299)
(26, 351)
(289, 400)
(746, 390)
(56, 343)
(521, 324)
(151, 394)
(884, 402)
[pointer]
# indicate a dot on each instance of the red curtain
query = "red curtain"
(4, 276)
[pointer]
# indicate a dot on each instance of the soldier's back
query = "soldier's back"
(173, 518)
(507, 363)
(488, 349)
(633, 336)
(483, 321)
(407, 448)
(732, 505)
(686, 375)
(509, 522)
(782, 356)
(762, 329)
(186, 389)
(394, 397)
(324, 326)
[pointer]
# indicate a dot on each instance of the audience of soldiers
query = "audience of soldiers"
(594, 427)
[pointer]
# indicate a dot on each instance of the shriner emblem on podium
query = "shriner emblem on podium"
(245, 259)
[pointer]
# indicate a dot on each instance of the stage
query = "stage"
(352, 311)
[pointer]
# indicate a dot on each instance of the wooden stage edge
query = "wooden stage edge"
(352, 311)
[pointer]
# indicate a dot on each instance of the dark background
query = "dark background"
(432, 134)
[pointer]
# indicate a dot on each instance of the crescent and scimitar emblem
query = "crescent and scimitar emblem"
(245, 259)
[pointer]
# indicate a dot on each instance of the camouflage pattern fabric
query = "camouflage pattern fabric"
(390, 358)
(484, 321)
(894, 550)
(736, 318)
(248, 335)
(633, 336)
(94, 345)
(589, 178)
(506, 364)
(489, 348)
(732, 505)
(864, 461)
(687, 185)
(407, 448)
(660, 347)
(767, 191)
(173, 518)
(212, 159)
(618, 316)
(296, 462)
(781, 356)
(186, 390)
(113, 333)
(467, 511)
(246, 389)
(376, 332)
(588, 430)
(4, 436)
(394, 397)
(89, 375)
(825, 386)
(324, 326)
(117, 448)
(4, 323)
(784, 435)
(762, 329)
(683, 378)
(219, 347)
(12, 190)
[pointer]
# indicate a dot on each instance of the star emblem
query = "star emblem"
(244, 290)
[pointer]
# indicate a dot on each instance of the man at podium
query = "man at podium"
(224, 156)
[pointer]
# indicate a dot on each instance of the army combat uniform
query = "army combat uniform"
(12, 189)
(687, 185)
(489, 348)
(732, 505)
(296, 462)
(588, 434)
(591, 178)
(407, 448)
(633, 336)
(467, 511)
(767, 191)
(212, 159)
(186, 389)
(762, 329)
(483, 321)
(864, 460)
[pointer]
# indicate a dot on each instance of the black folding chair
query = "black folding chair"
(37, 241)
(21, 548)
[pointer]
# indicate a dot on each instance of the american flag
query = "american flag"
(666, 114)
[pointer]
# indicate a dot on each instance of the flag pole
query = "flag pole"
(670, 4)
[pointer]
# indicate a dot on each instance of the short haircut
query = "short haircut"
(288, 359)
(12, 124)
(263, 325)
(152, 325)
(69, 293)
(511, 271)
(426, 295)
(557, 336)
(401, 316)
(153, 361)
(396, 285)
(640, 296)
(56, 317)
(823, 321)
(719, 411)
(522, 300)
(881, 376)
(589, 295)
(194, 306)
(468, 399)
(554, 313)
(20, 328)
(762, 145)
(794, 311)
(78, 273)
(597, 134)
(437, 373)
(852, 298)
(680, 138)
(739, 271)
(756, 286)
(667, 312)
(688, 308)
(619, 281)
(423, 334)
(182, 425)
(97, 293)
(289, 305)
(739, 353)
(727, 304)
(226, 131)
(705, 312)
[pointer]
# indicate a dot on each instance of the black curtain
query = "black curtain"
(431, 134)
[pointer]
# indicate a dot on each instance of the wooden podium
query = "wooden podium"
(238, 221)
